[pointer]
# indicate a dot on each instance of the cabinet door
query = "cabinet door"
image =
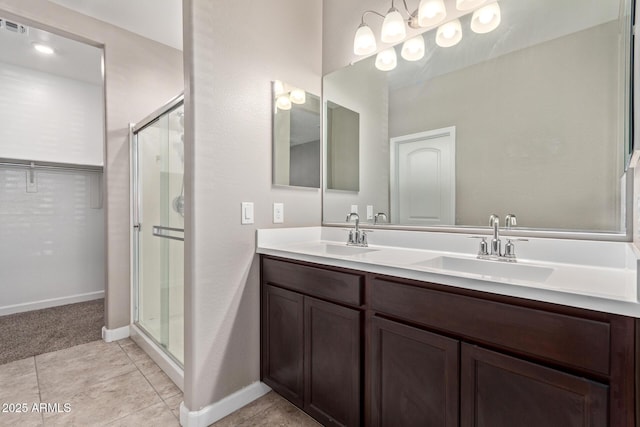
(414, 378)
(502, 391)
(282, 342)
(332, 363)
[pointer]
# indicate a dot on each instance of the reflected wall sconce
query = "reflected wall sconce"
(286, 96)
(429, 13)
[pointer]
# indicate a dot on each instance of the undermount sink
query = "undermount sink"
(514, 271)
(337, 249)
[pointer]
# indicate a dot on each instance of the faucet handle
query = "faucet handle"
(510, 221)
(483, 250)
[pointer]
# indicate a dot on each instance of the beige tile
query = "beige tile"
(62, 373)
(19, 382)
(125, 342)
(154, 416)
(173, 403)
(134, 352)
(251, 410)
(163, 384)
(106, 401)
(146, 365)
(282, 414)
(26, 419)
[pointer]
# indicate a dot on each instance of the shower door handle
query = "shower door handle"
(165, 232)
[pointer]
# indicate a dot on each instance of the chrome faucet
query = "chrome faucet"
(378, 218)
(494, 222)
(494, 251)
(356, 236)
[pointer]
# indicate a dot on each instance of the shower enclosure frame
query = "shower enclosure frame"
(167, 362)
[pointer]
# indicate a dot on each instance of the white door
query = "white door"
(423, 178)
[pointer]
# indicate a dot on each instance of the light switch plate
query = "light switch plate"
(247, 213)
(354, 208)
(278, 213)
(369, 211)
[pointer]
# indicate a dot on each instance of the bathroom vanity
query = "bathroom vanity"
(353, 339)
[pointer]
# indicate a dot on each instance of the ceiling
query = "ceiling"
(159, 20)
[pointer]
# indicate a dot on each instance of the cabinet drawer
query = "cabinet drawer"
(322, 283)
(570, 341)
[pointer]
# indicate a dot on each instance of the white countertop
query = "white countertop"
(600, 276)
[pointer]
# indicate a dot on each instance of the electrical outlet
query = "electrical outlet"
(278, 213)
(369, 211)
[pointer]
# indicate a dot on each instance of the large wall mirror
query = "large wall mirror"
(296, 137)
(532, 119)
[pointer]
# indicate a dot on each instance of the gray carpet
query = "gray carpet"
(42, 331)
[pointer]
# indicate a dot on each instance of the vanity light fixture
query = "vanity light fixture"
(286, 96)
(469, 4)
(413, 49)
(393, 28)
(43, 48)
(386, 60)
(449, 34)
(298, 96)
(486, 19)
(431, 12)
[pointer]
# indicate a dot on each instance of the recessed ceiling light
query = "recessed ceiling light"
(43, 48)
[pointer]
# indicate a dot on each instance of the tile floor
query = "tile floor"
(112, 384)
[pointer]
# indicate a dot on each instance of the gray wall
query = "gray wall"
(140, 76)
(229, 66)
(304, 166)
(536, 134)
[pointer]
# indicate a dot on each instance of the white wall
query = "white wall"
(52, 247)
(141, 75)
(50, 118)
(230, 64)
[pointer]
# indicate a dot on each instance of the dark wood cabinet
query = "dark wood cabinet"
(503, 391)
(354, 348)
(283, 342)
(332, 363)
(414, 378)
(311, 348)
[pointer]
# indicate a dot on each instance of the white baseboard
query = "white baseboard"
(110, 335)
(47, 303)
(216, 411)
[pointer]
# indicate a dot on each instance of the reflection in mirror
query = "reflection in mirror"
(538, 110)
(343, 146)
(296, 137)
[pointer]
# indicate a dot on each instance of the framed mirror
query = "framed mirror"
(532, 119)
(296, 137)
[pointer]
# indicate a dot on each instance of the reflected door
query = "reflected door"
(423, 178)
(159, 230)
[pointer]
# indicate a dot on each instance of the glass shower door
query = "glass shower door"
(159, 230)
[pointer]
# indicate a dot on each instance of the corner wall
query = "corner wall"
(229, 65)
(141, 75)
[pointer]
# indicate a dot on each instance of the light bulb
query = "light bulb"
(298, 96)
(449, 34)
(413, 49)
(386, 60)
(469, 4)
(283, 102)
(393, 28)
(364, 41)
(486, 19)
(431, 12)
(278, 88)
(42, 48)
